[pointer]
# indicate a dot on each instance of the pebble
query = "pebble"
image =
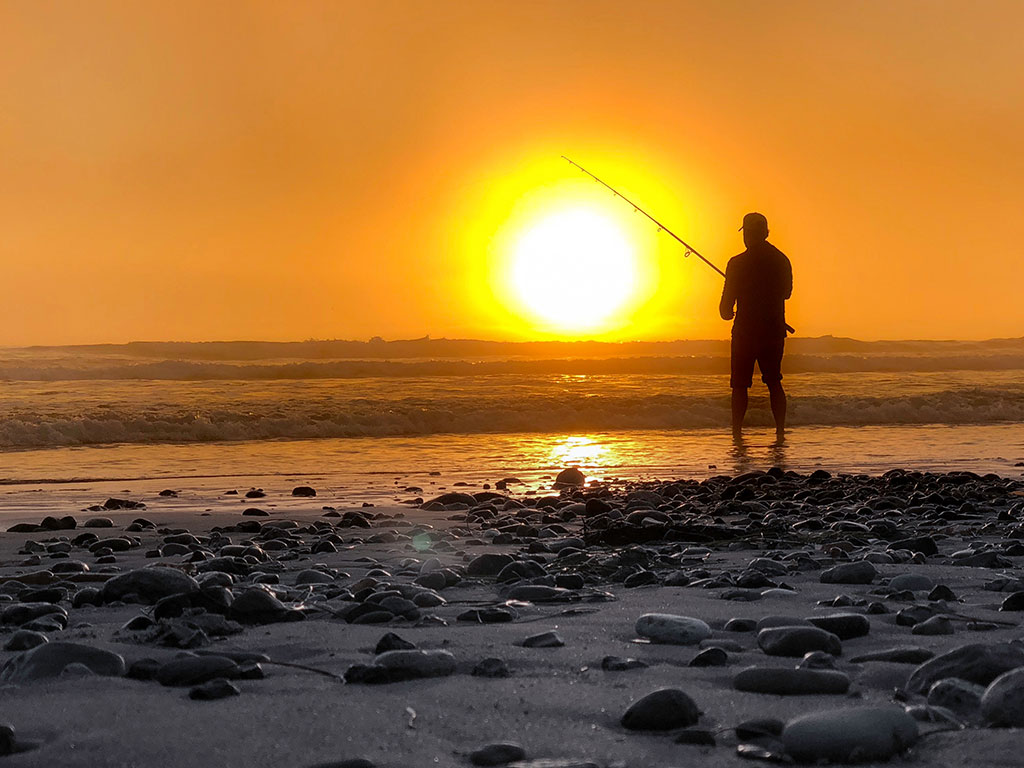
(49, 660)
(900, 655)
(859, 734)
(25, 639)
(497, 754)
(1002, 704)
(148, 584)
(544, 640)
(915, 582)
(845, 626)
(783, 681)
(670, 629)
(956, 695)
(662, 710)
(861, 572)
(710, 657)
(936, 625)
(191, 670)
(620, 664)
(218, 688)
(975, 663)
(495, 668)
(797, 641)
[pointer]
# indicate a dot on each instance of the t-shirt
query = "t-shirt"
(758, 282)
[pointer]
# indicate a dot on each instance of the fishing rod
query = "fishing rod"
(690, 250)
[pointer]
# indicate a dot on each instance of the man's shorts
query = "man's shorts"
(766, 351)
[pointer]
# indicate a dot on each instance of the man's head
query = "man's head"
(755, 229)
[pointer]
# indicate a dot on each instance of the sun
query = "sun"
(573, 269)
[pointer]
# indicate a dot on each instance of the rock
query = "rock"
(975, 663)
(303, 490)
(497, 754)
(149, 584)
(936, 625)
(861, 572)
(1014, 602)
(392, 642)
(258, 606)
(915, 582)
(494, 668)
(544, 640)
(662, 710)
(493, 615)
(900, 655)
(47, 661)
(710, 657)
(859, 734)
(570, 477)
(670, 629)
(488, 564)
(958, 696)
(619, 664)
(845, 626)
(1002, 704)
(797, 641)
(790, 682)
(192, 670)
(24, 640)
(218, 688)
(817, 660)
(416, 664)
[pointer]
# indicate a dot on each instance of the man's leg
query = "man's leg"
(744, 352)
(777, 397)
(739, 409)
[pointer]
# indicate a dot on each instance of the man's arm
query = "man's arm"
(787, 282)
(725, 306)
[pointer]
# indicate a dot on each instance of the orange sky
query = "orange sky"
(343, 169)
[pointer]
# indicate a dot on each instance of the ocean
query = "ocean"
(378, 418)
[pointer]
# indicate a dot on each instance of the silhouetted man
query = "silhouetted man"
(757, 283)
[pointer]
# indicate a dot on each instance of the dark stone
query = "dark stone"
(845, 626)
(619, 664)
(492, 668)
(218, 688)
(303, 490)
(797, 641)
(782, 681)
(192, 670)
(662, 710)
(392, 642)
(975, 663)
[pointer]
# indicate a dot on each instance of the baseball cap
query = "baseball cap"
(754, 221)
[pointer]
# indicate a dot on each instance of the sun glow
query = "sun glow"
(573, 269)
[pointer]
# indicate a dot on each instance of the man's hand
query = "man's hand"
(728, 314)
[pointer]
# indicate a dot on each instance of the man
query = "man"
(757, 284)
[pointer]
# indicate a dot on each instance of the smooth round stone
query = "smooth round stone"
(936, 625)
(48, 661)
(957, 695)
(899, 655)
(218, 688)
(859, 734)
(782, 681)
(149, 584)
(418, 663)
(497, 754)
(740, 625)
(767, 622)
(313, 576)
(1014, 602)
(662, 710)
(544, 640)
(488, 564)
(710, 657)
(975, 663)
(24, 640)
(192, 670)
(670, 629)
(1002, 704)
(861, 572)
(845, 626)
(797, 641)
(817, 660)
(915, 582)
(620, 664)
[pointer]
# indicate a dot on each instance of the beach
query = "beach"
(690, 548)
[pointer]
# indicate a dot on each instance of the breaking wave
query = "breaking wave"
(511, 410)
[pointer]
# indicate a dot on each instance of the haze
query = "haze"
(199, 170)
